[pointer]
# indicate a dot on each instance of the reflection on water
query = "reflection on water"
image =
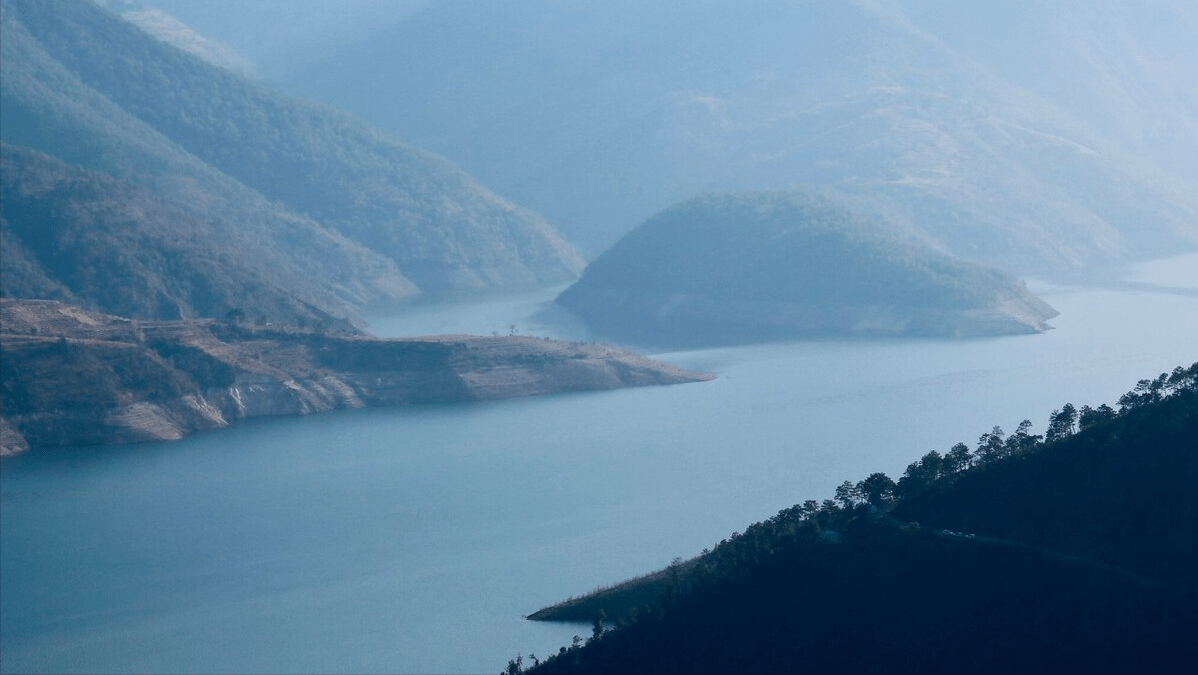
(413, 539)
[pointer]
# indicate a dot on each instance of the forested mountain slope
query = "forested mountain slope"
(759, 266)
(1067, 551)
(85, 237)
(363, 215)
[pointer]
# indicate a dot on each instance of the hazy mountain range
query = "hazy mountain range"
(1045, 137)
(323, 212)
(1049, 139)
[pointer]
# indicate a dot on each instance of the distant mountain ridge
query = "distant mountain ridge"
(600, 114)
(363, 216)
(776, 265)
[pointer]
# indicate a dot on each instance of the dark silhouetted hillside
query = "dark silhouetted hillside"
(1067, 553)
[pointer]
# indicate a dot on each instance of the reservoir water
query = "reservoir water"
(414, 539)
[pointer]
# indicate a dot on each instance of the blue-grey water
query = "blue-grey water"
(413, 539)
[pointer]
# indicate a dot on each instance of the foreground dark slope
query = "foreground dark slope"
(83, 85)
(73, 377)
(756, 266)
(1073, 555)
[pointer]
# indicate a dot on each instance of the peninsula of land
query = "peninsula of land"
(76, 377)
(760, 266)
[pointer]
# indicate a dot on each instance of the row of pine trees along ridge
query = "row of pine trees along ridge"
(1100, 498)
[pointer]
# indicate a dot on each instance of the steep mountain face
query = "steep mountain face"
(600, 114)
(353, 211)
(85, 237)
(741, 267)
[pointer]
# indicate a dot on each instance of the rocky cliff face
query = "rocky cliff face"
(73, 377)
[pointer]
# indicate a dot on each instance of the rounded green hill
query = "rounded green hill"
(759, 266)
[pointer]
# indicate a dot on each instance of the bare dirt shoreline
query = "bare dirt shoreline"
(74, 377)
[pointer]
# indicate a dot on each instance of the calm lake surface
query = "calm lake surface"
(414, 539)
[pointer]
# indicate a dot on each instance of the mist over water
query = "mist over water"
(413, 539)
